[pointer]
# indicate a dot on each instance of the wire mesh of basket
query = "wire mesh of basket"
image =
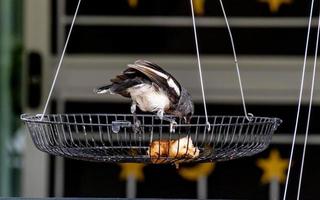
(148, 139)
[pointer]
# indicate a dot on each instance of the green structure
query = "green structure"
(5, 94)
(10, 39)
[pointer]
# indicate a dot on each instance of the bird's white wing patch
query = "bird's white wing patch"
(173, 85)
(155, 71)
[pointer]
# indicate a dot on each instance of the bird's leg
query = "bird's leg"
(187, 122)
(172, 126)
(171, 120)
(133, 107)
(160, 114)
(136, 121)
(133, 111)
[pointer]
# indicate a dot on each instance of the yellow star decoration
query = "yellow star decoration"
(274, 5)
(196, 172)
(132, 169)
(133, 3)
(199, 7)
(274, 167)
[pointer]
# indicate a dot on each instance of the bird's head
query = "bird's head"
(185, 106)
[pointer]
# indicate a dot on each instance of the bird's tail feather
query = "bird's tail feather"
(103, 89)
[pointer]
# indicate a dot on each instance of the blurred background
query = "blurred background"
(269, 37)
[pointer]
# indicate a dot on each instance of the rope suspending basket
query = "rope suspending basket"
(147, 138)
(112, 137)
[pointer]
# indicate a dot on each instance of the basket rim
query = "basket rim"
(53, 135)
(26, 117)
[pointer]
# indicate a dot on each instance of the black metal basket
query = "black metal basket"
(118, 138)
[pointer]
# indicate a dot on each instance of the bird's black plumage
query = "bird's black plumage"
(152, 89)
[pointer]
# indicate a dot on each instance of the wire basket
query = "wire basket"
(147, 139)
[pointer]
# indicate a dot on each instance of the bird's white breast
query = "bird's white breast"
(149, 99)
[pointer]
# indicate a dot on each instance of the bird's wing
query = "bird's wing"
(159, 76)
(120, 84)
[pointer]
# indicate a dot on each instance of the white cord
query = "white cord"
(310, 106)
(60, 62)
(236, 62)
(199, 64)
(299, 103)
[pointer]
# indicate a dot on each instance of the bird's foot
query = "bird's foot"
(173, 123)
(136, 125)
(172, 126)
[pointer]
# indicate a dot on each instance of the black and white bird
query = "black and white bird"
(152, 89)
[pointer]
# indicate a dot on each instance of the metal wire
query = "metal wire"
(199, 63)
(113, 137)
(60, 61)
(248, 115)
(309, 110)
(299, 102)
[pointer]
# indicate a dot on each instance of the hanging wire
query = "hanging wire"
(310, 106)
(199, 64)
(248, 115)
(60, 61)
(299, 103)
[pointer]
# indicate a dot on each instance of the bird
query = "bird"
(151, 89)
